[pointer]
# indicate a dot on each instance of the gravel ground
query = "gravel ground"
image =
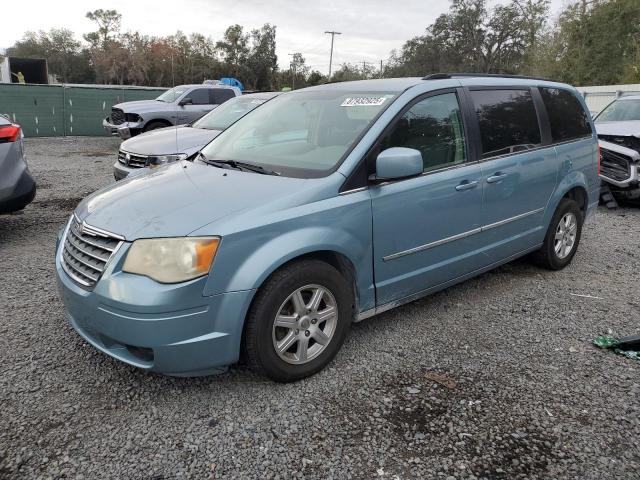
(493, 378)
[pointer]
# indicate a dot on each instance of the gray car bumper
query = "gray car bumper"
(22, 195)
(125, 130)
(121, 171)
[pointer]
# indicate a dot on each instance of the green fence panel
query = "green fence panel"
(37, 108)
(86, 107)
(56, 110)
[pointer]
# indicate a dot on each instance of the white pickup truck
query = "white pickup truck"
(177, 106)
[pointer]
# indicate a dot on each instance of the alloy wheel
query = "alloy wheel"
(305, 324)
(565, 235)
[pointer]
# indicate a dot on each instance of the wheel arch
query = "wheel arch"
(580, 196)
(157, 120)
(336, 259)
(573, 186)
(339, 260)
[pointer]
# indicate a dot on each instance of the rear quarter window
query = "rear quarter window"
(567, 118)
(508, 121)
(221, 95)
(198, 96)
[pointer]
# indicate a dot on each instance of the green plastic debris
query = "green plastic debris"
(605, 341)
(619, 346)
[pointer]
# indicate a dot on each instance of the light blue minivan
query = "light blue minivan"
(323, 207)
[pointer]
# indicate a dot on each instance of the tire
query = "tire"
(297, 326)
(555, 253)
(153, 125)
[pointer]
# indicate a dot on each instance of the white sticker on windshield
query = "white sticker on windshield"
(363, 102)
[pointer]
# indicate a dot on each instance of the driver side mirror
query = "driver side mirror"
(185, 101)
(398, 162)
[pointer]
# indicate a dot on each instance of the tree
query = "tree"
(108, 56)
(234, 49)
(591, 42)
(595, 42)
(138, 61)
(64, 54)
(108, 22)
(316, 78)
(262, 61)
(471, 38)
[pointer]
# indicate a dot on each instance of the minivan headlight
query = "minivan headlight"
(172, 260)
(157, 160)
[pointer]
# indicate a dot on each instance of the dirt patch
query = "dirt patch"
(59, 203)
(444, 421)
(90, 153)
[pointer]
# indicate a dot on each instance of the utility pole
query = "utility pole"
(333, 34)
(292, 67)
(364, 69)
(380, 68)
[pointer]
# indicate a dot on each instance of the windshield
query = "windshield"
(170, 96)
(221, 117)
(620, 111)
(300, 134)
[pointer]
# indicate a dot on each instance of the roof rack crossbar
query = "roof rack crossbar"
(440, 76)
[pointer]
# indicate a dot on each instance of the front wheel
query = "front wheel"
(155, 125)
(563, 236)
(298, 321)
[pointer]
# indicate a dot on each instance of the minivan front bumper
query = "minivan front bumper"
(170, 329)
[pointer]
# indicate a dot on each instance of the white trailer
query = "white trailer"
(24, 70)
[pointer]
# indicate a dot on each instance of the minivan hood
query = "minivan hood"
(179, 198)
(164, 141)
(628, 128)
(141, 106)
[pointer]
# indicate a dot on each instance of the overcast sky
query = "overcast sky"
(370, 28)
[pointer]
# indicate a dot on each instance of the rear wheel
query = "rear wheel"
(298, 321)
(563, 236)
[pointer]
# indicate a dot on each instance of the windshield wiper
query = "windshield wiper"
(237, 165)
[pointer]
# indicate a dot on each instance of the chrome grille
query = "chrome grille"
(132, 160)
(117, 116)
(614, 165)
(86, 252)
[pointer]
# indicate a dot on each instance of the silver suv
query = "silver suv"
(171, 144)
(177, 106)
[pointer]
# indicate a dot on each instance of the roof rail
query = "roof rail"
(440, 76)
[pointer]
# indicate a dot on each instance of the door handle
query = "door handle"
(467, 185)
(496, 177)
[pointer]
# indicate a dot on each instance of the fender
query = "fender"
(170, 120)
(573, 179)
(238, 271)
